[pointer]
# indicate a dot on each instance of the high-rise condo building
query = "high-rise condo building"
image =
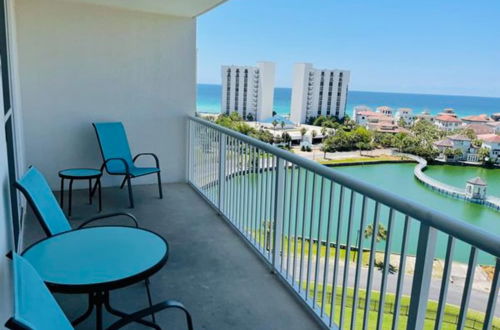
(248, 90)
(318, 92)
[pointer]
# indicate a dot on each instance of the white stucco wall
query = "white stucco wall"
(5, 226)
(81, 63)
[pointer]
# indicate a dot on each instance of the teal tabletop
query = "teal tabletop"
(94, 258)
(80, 173)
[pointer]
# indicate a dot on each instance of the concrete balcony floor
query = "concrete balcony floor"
(210, 269)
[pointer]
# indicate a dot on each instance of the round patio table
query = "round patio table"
(73, 174)
(95, 260)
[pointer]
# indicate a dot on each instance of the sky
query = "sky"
(435, 47)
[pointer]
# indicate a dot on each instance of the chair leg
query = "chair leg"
(123, 182)
(62, 193)
(159, 185)
(130, 195)
(70, 196)
(150, 300)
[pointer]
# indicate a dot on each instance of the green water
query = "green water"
(458, 175)
(308, 211)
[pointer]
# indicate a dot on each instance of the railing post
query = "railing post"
(189, 150)
(422, 277)
(278, 210)
(222, 170)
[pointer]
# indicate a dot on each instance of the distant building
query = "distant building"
(447, 122)
(475, 119)
(425, 115)
(318, 92)
(492, 143)
(248, 90)
(479, 129)
(360, 108)
(448, 112)
(496, 116)
(385, 110)
(459, 142)
(406, 114)
(475, 188)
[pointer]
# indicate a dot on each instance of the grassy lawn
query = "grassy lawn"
(474, 318)
(259, 235)
(362, 159)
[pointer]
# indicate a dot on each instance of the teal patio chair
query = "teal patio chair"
(36, 308)
(49, 213)
(117, 158)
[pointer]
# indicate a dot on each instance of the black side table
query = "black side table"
(80, 174)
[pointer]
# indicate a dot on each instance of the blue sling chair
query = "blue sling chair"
(36, 308)
(50, 215)
(118, 159)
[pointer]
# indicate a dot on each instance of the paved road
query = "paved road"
(477, 302)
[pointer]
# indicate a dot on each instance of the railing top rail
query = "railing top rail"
(464, 231)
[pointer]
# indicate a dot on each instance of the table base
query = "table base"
(100, 299)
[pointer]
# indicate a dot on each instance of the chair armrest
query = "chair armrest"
(150, 310)
(110, 215)
(148, 154)
(127, 171)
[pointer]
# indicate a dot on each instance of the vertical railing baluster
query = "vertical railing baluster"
(319, 244)
(492, 298)
(304, 208)
(371, 265)
(401, 272)
(345, 280)
(359, 261)
(290, 212)
(311, 240)
(385, 271)
(279, 197)
(337, 255)
(222, 171)
(297, 194)
(422, 277)
(286, 188)
(448, 261)
(469, 279)
(326, 269)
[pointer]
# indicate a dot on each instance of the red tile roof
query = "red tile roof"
(448, 118)
(479, 118)
(489, 138)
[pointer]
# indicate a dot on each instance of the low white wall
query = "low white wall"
(82, 63)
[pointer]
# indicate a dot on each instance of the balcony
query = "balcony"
(223, 283)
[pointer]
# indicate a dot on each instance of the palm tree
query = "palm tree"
(303, 132)
(282, 124)
(323, 132)
(275, 123)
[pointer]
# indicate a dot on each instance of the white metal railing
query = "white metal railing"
(322, 233)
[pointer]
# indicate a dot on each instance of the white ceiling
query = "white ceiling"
(182, 8)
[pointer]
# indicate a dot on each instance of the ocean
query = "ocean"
(208, 100)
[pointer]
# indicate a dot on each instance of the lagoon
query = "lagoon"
(302, 208)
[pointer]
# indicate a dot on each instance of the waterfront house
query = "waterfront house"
(480, 128)
(406, 114)
(475, 119)
(492, 143)
(447, 122)
(425, 115)
(457, 142)
(385, 110)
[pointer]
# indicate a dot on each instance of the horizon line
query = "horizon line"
(366, 91)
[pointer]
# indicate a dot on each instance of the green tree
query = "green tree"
(282, 124)
(483, 153)
(303, 132)
(274, 123)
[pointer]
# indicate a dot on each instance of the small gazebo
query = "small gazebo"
(475, 188)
